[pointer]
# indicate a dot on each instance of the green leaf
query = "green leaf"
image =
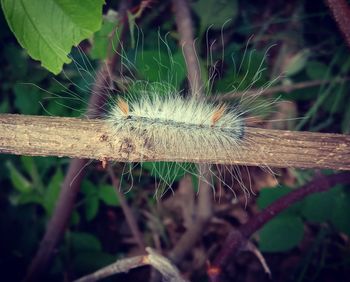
(20, 182)
(158, 66)
(81, 241)
(341, 211)
(316, 70)
(27, 99)
(91, 203)
(75, 218)
(214, 13)
(91, 207)
(28, 164)
(101, 40)
(317, 207)
(88, 188)
(49, 28)
(29, 198)
(107, 194)
(53, 190)
(281, 234)
(269, 195)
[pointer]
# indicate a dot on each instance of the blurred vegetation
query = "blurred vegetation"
(303, 44)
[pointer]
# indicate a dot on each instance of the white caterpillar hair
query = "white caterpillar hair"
(182, 124)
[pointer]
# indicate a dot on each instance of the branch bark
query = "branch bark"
(93, 139)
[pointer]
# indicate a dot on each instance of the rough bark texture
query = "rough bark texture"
(93, 139)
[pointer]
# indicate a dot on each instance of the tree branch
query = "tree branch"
(93, 139)
(162, 264)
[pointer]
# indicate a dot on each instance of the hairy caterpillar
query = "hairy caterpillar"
(179, 123)
(159, 112)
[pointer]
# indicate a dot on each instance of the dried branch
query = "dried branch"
(163, 265)
(93, 139)
(203, 210)
(237, 238)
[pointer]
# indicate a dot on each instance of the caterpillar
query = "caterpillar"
(179, 123)
(161, 113)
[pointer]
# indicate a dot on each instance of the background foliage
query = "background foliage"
(308, 242)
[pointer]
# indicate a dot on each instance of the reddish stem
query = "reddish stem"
(236, 239)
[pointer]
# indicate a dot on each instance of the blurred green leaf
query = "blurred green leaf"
(158, 66)
(281, 234)
(91, 203)
(49, 28)
(107, 194)
(27, 99)
(88, 188)
(269, 195)
(317, 207)
(75, 218)
(29, 198)
(101, 40)
(20, 182)
(316, 70)
(341, 211)
(214, 13)
(53, 190)
(91, 207)
(28, 164)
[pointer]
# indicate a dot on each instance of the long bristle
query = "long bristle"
(123, 106)
(218, 114)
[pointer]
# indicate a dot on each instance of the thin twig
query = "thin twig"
(277, 89)
(237, 238)
(163, 265)
(127, 210)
